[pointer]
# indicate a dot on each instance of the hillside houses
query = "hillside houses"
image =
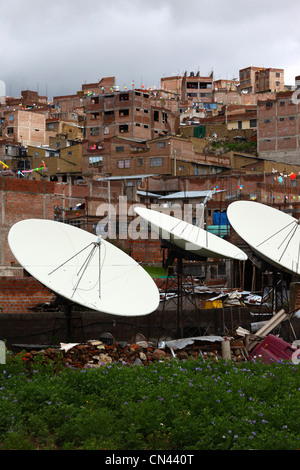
(193, 125)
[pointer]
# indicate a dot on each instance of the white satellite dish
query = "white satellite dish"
(83, 268)
(271, 233)
(190, 237)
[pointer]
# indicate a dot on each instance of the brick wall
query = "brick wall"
(277, 128)
(26, 199)
(67, 103)
(143, 251)
(19, 295)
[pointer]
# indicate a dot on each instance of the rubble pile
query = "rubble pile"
(95, 353)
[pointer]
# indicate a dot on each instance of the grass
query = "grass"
(156, 271)
(247, 147)
(185, 405)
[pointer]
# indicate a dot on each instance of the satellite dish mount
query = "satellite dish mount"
(96, 245)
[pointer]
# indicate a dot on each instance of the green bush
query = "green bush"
(186, 405)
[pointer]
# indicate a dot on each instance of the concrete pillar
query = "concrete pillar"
(226, 351)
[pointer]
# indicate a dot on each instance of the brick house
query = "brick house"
(169, 155)
(278, 128)
(25, 126)
(261, 79)
(62, 158)
(131, 114)
(28, 100)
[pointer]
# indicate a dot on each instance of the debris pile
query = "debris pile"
(95, 353)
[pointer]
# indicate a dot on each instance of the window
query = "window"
(193, 85)
(123, 128)
(75, 223)
(294, 183)
(10, 130)
(269, 105)
(282, 103)
(124, 97)
(160, 144)
(157, 161)
(96, 161)
(140, 161)
(120, 148)
(292, 118)
(124, 163)
(253, 123)
(156, 116)
(11, 117)
(124, 112)
(164, 117)
(281, 119)
(277, 74)
(94, 131)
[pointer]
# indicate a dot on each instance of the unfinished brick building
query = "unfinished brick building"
(25, 126)
(261, 79)
(130, 114)
(278, 128)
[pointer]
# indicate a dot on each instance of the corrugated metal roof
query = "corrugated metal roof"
(129, 177)
(190, 194)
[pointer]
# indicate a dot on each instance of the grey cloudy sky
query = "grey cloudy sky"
(54, 47)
